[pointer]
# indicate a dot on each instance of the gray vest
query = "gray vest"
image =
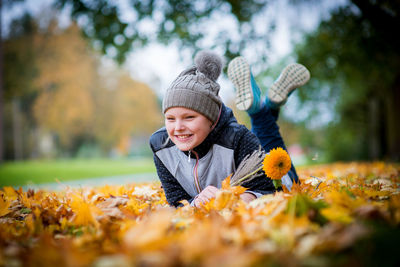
(212, 168)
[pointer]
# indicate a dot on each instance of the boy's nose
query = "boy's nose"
(179, 125)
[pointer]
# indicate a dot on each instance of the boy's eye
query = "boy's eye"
(170, 119)
(190, 117)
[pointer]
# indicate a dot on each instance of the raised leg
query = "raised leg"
(264, 114)
(266, 129)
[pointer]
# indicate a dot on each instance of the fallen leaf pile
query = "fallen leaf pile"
(340, 215)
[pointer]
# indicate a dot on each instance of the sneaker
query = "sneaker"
(247, 91)
(292, 77)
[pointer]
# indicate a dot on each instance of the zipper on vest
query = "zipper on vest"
(195, 173)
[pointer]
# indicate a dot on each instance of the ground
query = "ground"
(340, 214)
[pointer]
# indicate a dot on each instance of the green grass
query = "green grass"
(47, 171)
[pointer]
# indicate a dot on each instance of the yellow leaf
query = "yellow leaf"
(377, 194)
(337, 214)
(151, 232)
(4, 205)
(342, 198)
(136, 206)
(208, 206)
(10, 192)
(30, 224)
(85, 213)
(226, 182)
(223, 199)
(238, 190)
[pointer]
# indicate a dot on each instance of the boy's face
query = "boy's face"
(186, 128)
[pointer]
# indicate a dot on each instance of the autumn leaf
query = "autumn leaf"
(237, 190)
(226, 182)
(337, 214)
(4, 205)
(224, 199)
(109, 206)
(84, 212)
(10, 192)
(151, 232)
(144, 191)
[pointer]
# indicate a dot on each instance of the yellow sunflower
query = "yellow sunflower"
(277, 163)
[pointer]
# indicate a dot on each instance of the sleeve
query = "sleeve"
(173, 190)
(245, 144)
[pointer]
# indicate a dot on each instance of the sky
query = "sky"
(158, 65)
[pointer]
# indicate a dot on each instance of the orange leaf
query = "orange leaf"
(10, 192)
(226, 182)
(85, 213)
(4, 205)
(224, 199)
(238, 190)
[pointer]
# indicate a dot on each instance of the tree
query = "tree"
(19, 57)
(124, 108)
(185, 22)
(1, 87)
(54, 75)
(355, 61)
(66, 80)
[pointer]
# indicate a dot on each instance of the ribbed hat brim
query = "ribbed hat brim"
(196, 101)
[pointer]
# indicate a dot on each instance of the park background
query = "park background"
(82, 81)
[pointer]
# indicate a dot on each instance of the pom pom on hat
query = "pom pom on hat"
(209, 63)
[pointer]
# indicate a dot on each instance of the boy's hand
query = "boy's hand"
(247, 197)
(206, 195)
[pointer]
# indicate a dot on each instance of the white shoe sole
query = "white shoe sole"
(239, 74)
(292, 77)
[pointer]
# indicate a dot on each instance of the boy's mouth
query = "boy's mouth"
(183, 136)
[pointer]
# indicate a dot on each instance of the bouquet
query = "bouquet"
(275, 165)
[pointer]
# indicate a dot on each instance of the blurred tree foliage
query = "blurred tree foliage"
(19, 93)
(56, 85)
(65, 83)
(354, 58)
(185, 22)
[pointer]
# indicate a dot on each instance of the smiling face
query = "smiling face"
(186, 128)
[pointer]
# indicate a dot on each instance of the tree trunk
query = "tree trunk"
(17, 129)
(374, 148)
(392, 105)
(1, 88)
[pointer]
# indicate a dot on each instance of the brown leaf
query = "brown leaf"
(337, 237)
(371, 212)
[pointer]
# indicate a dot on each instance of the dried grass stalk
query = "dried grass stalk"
(249, 168)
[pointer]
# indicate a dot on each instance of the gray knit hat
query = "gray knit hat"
(196, 87)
